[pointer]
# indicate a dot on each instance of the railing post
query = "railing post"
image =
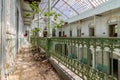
(93, 61)
(82, 50)
(48, 47)
(88, 53)
(94, 58)
(78, 51)
(88, 58)
(111, 55)
(102, 47)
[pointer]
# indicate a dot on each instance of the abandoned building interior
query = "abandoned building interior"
(81, 35)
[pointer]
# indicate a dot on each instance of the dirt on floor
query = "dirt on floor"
(27, 68)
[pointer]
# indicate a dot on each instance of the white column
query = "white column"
(93, 60)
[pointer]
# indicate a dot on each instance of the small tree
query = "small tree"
(35, 7)
(52, 13)
(35, 35)
(55, 17)
(60, 24)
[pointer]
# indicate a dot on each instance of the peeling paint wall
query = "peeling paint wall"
(0, 30)
(13, 32)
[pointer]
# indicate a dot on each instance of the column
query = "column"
(93, 60)
(49, 20)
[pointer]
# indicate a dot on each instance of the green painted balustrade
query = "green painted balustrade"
(86, 57)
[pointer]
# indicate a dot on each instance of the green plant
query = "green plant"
(35, 32)
(56, 16)
(60, 24)
(35, 7)
(52, 13)
(27, 14)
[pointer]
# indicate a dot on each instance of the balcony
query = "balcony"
(89, 58)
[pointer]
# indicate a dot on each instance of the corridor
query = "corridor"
(27, 68)
(80, 38)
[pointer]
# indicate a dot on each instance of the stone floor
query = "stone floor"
(27, 68)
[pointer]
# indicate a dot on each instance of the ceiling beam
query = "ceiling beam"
(43, 9)
(55, 4)
(71, 7)
(91, 3)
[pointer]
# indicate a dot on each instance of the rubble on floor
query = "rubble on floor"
(38, 53)
(28, 67)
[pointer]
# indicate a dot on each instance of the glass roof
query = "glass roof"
(70, 8)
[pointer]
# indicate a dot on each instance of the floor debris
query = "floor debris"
(27, 68)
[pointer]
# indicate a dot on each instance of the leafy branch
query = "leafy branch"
(27, 14)
(52, 13)
(59, 25)
(35, 7)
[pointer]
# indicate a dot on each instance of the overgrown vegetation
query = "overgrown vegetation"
(60, 24)
(35, 7)
(52, 13)
(35, 32)
(26, 14)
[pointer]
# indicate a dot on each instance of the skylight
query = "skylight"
(70, 8)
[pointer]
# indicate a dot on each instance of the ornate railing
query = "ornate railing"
(89, 58)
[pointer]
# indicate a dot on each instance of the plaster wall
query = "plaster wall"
(12, 30)
(100, 25)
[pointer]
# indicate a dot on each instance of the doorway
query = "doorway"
(70, 33)
(115, 67)
(113, 30)
(60, 34)
(78, 32)
(45, 33)
(91, 31)
(53, 32)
